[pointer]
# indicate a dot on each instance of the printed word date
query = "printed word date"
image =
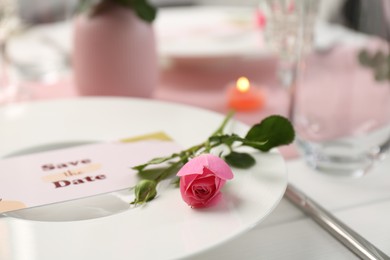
(65, 183)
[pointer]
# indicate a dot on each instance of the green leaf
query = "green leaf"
(169, 171)
(144, 10)
(273, 131)
(145, 191)
(160, 173)
(156, 160)
(159, 160)
(240, 160)
(225, 139)
(382, 73)
(379, 58)
(378, 61)
(83, 5)
(151, 174)
(364, 58)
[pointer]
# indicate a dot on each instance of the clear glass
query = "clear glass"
(289, 32)
(9, 23)
(341, 111)
(39, 51)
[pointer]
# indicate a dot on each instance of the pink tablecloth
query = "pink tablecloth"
(204, 85)
(199, 86)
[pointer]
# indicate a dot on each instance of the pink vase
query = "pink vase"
(114, 54)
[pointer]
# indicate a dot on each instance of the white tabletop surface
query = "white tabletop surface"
(363, 204)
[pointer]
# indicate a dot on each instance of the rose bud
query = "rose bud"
(145, 191)
(201, 180)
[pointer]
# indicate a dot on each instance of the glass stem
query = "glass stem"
(288, 77)
(4, 79)
(287, 74)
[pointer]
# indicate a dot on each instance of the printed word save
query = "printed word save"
(50, 166)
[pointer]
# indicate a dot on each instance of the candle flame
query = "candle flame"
(243, 84)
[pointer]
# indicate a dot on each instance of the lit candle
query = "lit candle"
(244, 97)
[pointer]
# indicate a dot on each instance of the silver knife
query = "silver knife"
(352, 240)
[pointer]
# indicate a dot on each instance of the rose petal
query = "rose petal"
(186, 182)
(194, 166)
(188, 179)
(208, 181)
(219, 183)
(215, 164)
(219, 167)
(214, 200)
(205, 180)
(203, 193)
(201, 180)
(211, 202)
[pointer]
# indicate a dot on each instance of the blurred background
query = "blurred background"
(334, 11)
(200, 65)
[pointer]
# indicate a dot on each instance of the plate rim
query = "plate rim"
(201, 110)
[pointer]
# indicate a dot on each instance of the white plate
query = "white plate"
(166, 228)
(209, 32)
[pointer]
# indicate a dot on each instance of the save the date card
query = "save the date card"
(66, 174)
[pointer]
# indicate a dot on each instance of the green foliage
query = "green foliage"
(378, 61)
(240, 160)
(142, 8)
(145, 191)
(273, 131)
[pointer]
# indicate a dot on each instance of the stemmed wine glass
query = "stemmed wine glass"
(289, 32)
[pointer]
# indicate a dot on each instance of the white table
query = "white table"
(363, 204)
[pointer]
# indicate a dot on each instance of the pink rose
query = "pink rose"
(201, 180)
